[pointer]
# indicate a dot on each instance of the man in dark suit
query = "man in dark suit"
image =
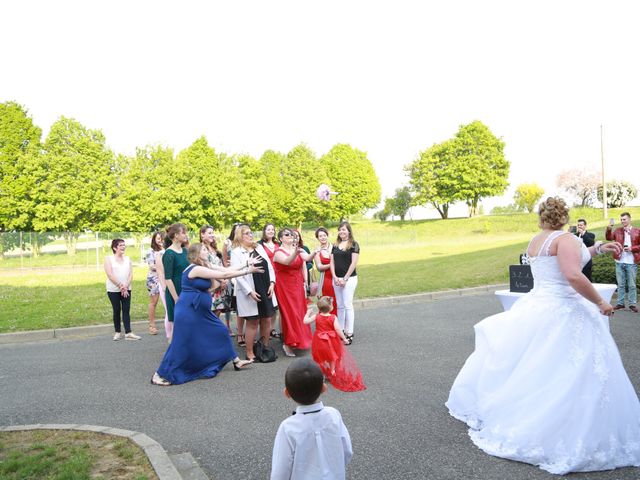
(588, 239)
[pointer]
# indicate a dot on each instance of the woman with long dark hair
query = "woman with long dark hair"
(208, 239)
(270, 244)
(155, 284)
(174, 261)
(344, 260)
(323, 264)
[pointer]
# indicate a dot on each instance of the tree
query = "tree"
(401, 202)
(386, 211)
(19, 145)
(579, 183)
(480, 164)
(432, 178)
(527, 196)
(144, 199)
(272, 166)
(506, 210)
(469, 167)
(75, 181)
(619, 193)
(350, 173)
(247, 198)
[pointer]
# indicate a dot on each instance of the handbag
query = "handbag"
(264, 353)
(312, 288)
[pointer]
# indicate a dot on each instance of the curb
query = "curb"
(160, 461)
(363, 304)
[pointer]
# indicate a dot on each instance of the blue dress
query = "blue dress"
(201, 345)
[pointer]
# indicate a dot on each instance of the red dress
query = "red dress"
(327, 349)
(293, 303)
(326, 283)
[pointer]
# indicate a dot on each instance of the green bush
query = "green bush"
(604, 269)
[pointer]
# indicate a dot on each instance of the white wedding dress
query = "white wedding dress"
(546, 385)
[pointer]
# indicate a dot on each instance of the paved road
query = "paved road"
(409, 356)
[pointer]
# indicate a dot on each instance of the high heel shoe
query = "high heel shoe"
(241, 364)
(288, 351)
(158, 380)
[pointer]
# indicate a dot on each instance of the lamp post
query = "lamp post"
(604, 185)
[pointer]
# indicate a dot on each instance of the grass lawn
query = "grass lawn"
(396, 258)
(67, 454)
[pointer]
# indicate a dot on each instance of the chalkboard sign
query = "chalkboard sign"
(520, 278)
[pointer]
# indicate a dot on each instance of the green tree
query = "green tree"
(350, 173)
(277, 196)
(401, 202)
(75, 181)
(19, 145)
(469, 167)
(144, 197)
(249, 201)
(507, 210)
(291, 184)
(198, 186)
(619, 193)
(480, 164)
(433, 178)
(527, 196)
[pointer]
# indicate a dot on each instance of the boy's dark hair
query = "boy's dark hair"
(582, 220)
(304, 381)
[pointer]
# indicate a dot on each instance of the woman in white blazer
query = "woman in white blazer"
(254, 293)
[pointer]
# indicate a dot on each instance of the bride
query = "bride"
(545, 384)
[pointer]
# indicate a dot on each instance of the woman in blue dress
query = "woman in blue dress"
(201, 345)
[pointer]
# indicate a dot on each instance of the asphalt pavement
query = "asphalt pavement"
(409, 354)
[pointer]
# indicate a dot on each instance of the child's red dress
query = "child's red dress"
(327, 347)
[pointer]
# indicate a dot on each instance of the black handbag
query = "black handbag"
(264, 353)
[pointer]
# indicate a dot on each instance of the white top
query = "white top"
(120, 271)
(247, 306)
(626, 257)
(313, 444)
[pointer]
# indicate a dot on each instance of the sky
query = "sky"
(389, 78)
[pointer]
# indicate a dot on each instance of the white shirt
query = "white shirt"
(313, 444)
(626, 257)
(120, 270)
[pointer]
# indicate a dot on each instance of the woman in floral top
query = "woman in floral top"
(155, 282)
(218, 304)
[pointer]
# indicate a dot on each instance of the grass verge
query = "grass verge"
(68, 454)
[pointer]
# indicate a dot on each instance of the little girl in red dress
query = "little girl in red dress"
(328, 351)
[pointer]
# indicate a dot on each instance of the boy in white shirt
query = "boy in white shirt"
(313, 443)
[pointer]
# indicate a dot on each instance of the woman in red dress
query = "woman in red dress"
(323, 264)
(270, 244)
(288, 261)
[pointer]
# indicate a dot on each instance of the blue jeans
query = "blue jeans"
(626, 277)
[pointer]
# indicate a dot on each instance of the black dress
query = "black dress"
(261, 282)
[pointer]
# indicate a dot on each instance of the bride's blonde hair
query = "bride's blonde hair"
(554, 213)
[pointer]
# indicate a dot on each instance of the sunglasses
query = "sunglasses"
(286, 234)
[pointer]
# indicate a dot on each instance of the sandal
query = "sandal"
(241, 364)
(274, 334)
(153, 330)
(159, 381)
(241, 341)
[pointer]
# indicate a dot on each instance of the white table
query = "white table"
(507, 298)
